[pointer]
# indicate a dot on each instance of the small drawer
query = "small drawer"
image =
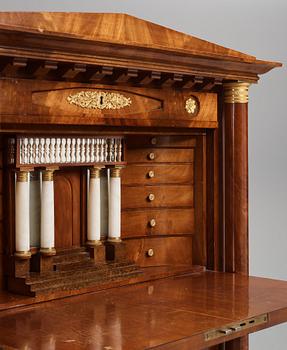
(157, 155)
(157, 174)
(156, 222)
(157, 196)
(159, 251)
(184, 141)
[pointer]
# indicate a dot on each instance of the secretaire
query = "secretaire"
(124, 181)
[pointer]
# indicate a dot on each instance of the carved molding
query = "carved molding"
(99, 100)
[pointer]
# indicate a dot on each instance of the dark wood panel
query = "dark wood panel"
(199, 242)
(166, 251)
(157, 196)
(152, 155)
(141, 174)
(182, 141)
(67, 208)
(166, 222)
(2, 218)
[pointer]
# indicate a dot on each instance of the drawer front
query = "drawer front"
(153, 222)
(157, 196)
(161, 141)
(156, 174)
(163, 155)
(158, 251)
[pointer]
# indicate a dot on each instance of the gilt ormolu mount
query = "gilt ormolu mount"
(124, 148)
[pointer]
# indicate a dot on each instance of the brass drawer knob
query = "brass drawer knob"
(152, 223)
(151, 197)
(150, 253)
(151, 156)
(153, 140)
(151, 174)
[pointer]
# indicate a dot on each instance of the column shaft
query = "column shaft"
(236, 176)
(115, 206)
(47, 214)
(22, 222)
(235, 138)
(35, 209)
(104, 204)
(94, 208)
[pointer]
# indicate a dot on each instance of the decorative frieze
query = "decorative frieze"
(69, 150)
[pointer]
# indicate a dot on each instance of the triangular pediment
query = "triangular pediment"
(116, 28)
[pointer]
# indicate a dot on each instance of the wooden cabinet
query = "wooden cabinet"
(124, 171)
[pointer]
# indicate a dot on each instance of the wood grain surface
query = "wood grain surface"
(134, 197)
(123, 41)
(168, 314)
(45, 102)
(169, 174)
(167, 222)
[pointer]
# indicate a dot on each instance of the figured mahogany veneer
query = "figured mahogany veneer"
(157, 196)
(158, 141)
(156, 174)
(46, 102)
(170, 314)
(152, 155)
(160, 251)
(166, 222)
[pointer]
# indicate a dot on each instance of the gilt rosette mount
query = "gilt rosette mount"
(99, 100)
(192, 106)
(47, 151)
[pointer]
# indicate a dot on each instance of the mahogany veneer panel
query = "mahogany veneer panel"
(115, 28)
(67, 201)
(168, 222)
(158, 141)
(167, 251)
(169, 174)
(168, 314)
(151, 155)
(164, 196)
(44, 102)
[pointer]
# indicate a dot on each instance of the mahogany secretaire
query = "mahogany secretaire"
(124, 183)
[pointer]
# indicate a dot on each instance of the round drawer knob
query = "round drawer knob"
(151, 156)
(151, 197)
(153, 140)
(151, 174)
(152, 223)
(150, 253)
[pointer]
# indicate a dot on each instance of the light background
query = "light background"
(256, 27)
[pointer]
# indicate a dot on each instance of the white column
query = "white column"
(47, 214)
(22, 222)
(94, 208)
(115, 205)
(104, 204)
(35, 209)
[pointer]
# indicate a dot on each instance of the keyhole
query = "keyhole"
(101, 100)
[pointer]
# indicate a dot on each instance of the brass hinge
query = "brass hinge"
(235, 327)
